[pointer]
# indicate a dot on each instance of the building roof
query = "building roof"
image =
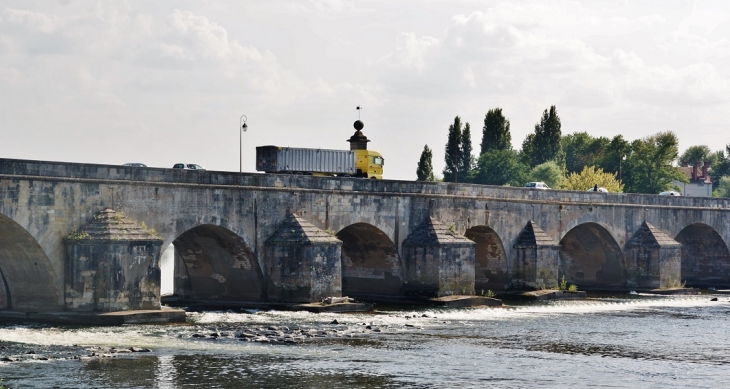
(687, 171)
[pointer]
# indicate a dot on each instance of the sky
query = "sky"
(161, 82)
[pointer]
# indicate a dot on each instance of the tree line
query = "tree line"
(576, 161)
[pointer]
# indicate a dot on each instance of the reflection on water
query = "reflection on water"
(618, 341)
(166, 372)
(229, 371)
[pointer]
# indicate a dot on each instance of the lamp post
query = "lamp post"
(242, 127)
(621, 158)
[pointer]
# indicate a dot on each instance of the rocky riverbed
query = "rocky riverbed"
(20, 352)
(293, 334)
(262, 333)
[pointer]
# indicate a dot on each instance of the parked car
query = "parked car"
(135, 164)
(599, 189)
(670, 193)
(188, 166)
(537, 185)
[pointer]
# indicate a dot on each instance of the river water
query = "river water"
(621, 341)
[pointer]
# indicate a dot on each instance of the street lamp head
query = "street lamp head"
(244, 127)
(243, 124)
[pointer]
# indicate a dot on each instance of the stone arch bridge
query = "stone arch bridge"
(259, 237)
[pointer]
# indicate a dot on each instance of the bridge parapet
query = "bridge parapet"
(219, 223)
(75, 171)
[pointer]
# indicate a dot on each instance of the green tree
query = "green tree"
(613, 157)
(495, 133)
(723, 187)
(528, 149)
(721, 167)
(548, 172)
(501, 167)
(648, 168)
(582, 150)
(589, 177)
(545, 145)
(425, 165)
(699, 153)
(466, 163)
(452, 155)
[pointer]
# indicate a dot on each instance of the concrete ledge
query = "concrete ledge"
(332, 308)
(456, 301)
(460, 301)
(98, 318)
(268, 305)
(544, 295)
(672, 291)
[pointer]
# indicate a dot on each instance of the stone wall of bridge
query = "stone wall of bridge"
(220, 223)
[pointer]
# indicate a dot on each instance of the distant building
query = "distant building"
(700, 183)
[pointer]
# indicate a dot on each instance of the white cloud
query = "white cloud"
(412, 52)
(696, 84)
(121, 72)
(313, 6)
(32, 20)
(650, 20)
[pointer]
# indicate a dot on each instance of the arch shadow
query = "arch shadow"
(490, 259)
(591, 259)
(705, 257)
(213, 263)
(370, 262)
(27, 279)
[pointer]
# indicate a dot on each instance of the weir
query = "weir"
(291, 238)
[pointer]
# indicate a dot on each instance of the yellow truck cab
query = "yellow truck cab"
(369, 164)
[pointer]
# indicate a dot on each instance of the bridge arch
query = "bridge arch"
(27, 279)
(370, 262)
(213, 263)
(591, 259)
(705, 256)
(490, 259)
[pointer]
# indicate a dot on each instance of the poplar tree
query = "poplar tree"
(425, 165)
(453, 155)
(545, 145)
(495, 133)
(466, 163)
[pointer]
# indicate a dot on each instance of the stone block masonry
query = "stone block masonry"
(222, 224)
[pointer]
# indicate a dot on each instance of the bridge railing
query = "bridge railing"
(81, 171)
